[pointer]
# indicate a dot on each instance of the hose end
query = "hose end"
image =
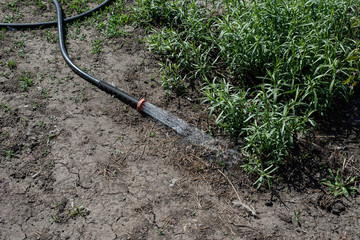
(140, 104)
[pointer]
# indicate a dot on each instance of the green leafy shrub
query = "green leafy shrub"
(265, 66)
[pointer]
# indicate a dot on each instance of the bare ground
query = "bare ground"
(75, 163)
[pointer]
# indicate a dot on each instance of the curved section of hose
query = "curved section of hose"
(52, 23)
(123, 96)
(130, 100)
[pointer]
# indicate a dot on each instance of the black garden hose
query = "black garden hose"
(126, 98)
(130, 100)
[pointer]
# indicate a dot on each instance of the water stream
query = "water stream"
(191, 133)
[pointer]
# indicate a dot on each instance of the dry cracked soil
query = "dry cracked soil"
(76, 163)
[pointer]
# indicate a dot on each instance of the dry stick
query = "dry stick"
(227, 225)
(253, 211)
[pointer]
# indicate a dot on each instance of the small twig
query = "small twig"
(345, 163)
(198, 201)
(140, 156)
(146, 217)
(227, 225)
(241, 202)
(36, 174)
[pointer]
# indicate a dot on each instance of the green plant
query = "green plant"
(160, 231)
(25, 81)
(50, 137)
(339, 185)
(12, 5)
(45, 151)
(265, 67)
(120, 17)
(59, 204)
(26, 122)
(84, 97)
(9, 154)
(53, 218)
(51, 37)
(34, 105)
(297, 216)
(41, 123)
(11, 64)
(15, 12)
(2, 33)
(19, 44)
(78, 211)
(97, 45)
(40, 4)
(45, 93)
(7, 108)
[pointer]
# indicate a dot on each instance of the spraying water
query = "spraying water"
(191, 133)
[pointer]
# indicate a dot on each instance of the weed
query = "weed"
(25, 81)
(12, 5)
(2, 33)
(297, 215)
(83, 37)
(160, 231)
(51, 37)
(78, 211)
(40, 4)
(26, 122)
(21, 53)
(121, 136)
(50, 137)
(84, 97)
(59, 204)
(338, 185)
(10, 154)
(16, 14)
(265, 67)
(222, 164)
(41, 123)
(53, 218)
(45, 93)
(75, 99)
(97, 45)
(45, 152)
(53, 118)
(34, 105)
(19, 44)
(11, 64)
(7, 108)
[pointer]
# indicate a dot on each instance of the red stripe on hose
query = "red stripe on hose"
(140, 104)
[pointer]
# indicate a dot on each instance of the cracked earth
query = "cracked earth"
(75, 163)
